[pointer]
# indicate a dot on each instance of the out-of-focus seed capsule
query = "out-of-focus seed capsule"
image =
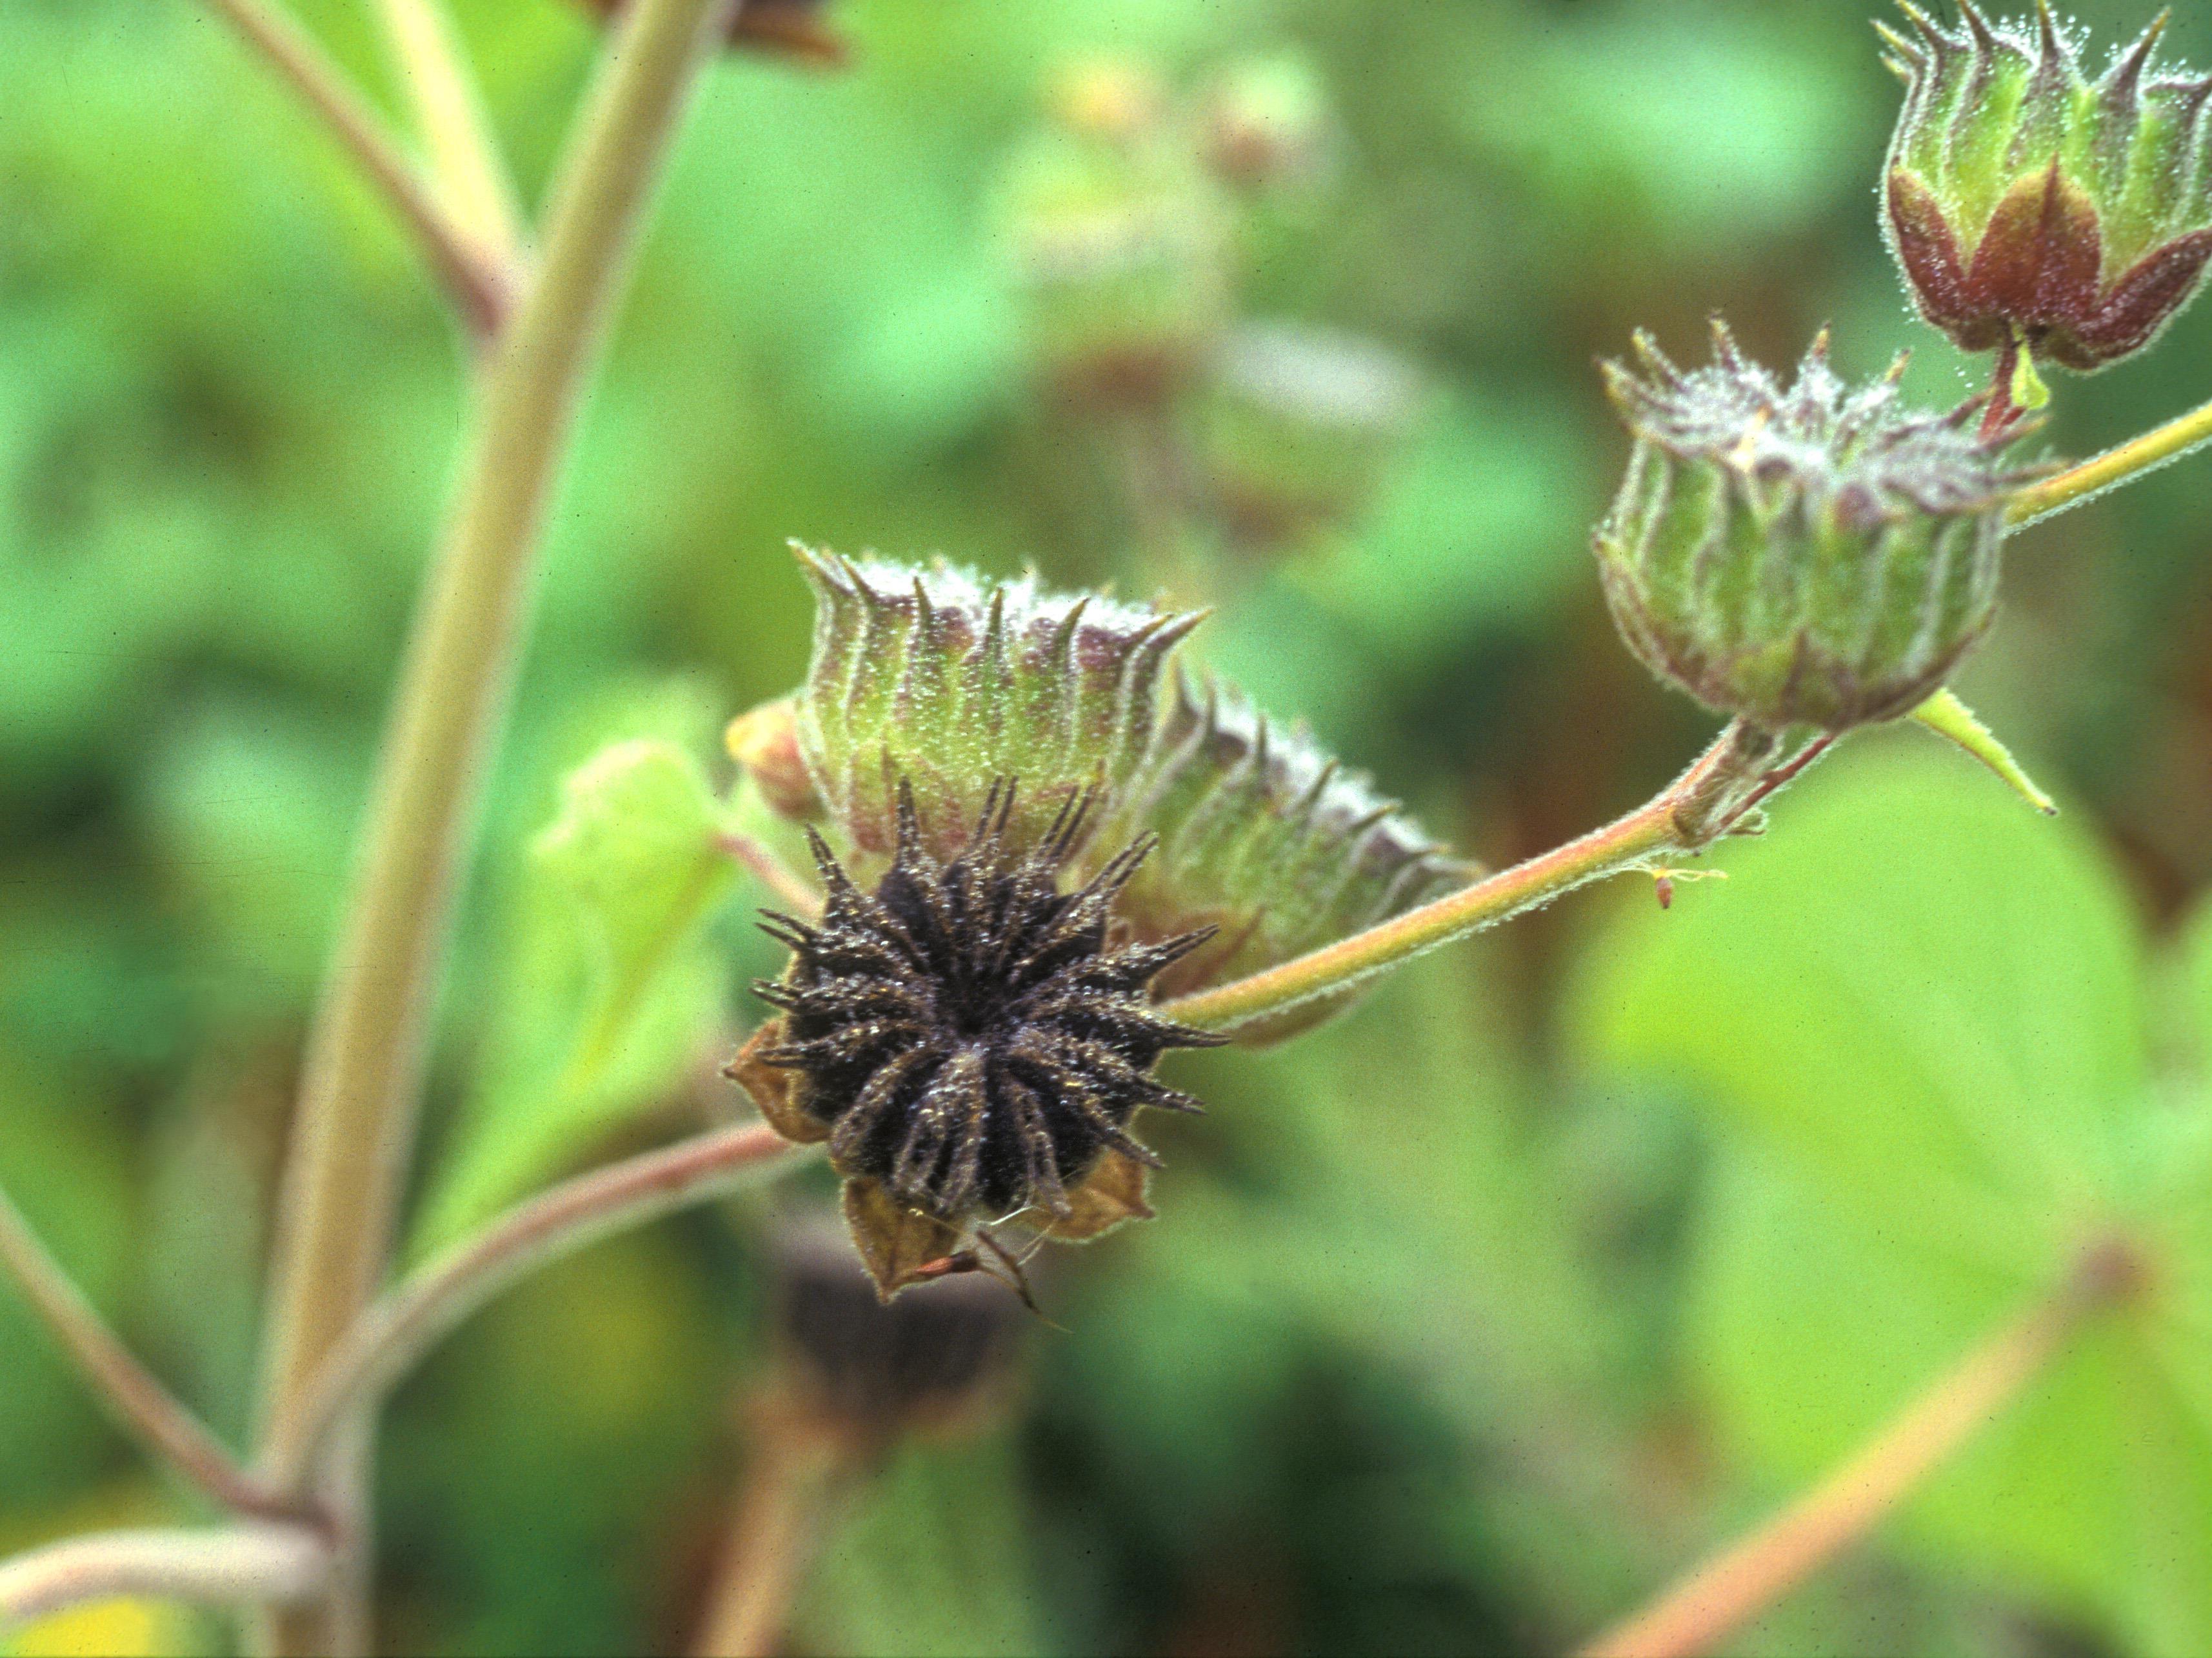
(1117, 241)
(1301, 425)
(1817, 556)
(2034, 209)
(1266, 124)
(934, 1360)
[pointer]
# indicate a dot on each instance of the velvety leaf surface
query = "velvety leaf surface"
(1915, 1019)
(616, 984)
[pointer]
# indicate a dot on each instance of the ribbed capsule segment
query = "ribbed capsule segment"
(1269, 843)
(2031, 206)
(940, 680)
(939, 683)
(1816, 555)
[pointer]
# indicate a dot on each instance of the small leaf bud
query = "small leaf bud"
(765, 742)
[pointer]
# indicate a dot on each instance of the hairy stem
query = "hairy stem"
(475, 271)
(786, 884)
(132, 1393)
(1718, 1599)
(2131, 460)
(1688, 815)
(393, 1335)
(355, 1127)
(777, 1521)
(449, 113)
(255, 1564)
(1698, 806)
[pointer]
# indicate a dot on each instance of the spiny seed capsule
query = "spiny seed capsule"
(1117, 241)
(1817, 556)
(945, 680)
(968, 1035)
(2031, 207)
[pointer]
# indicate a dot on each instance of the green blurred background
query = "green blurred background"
(1469, 1319)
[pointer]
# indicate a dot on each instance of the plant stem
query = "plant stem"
(354, 1125)
(790, 888)
(1688, 815)
(389, 1338)
(1721, 1596)
(475, 272)
(794, 1469)
(449, 113)
(2131, 460)
(138, 1400)
(1655, 830)
(256, 1563)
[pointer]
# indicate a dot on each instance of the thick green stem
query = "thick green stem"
(1688, 815)
(795, 1471)
(355, 1123)
(255, 1564)
(2131, 460)
(480, 274)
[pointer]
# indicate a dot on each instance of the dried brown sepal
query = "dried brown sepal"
(791, 30)
(1113, 1192)
(773, 1088)
(901, 1247)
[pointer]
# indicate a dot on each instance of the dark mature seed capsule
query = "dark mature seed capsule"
(968, 1035)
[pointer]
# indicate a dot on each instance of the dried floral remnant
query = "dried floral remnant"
(968, 1036)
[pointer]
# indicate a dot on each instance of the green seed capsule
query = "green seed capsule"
(1816, 555)
(2030, 206)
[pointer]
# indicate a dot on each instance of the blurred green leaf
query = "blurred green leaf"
(63, 1162)
(1928, 998)
(1809, 1328)
(2190, 1004)
(1479, 531)
(615, 985)
(254, 812)
(934, 1562)
(1917, 1020)
(1685, 143)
